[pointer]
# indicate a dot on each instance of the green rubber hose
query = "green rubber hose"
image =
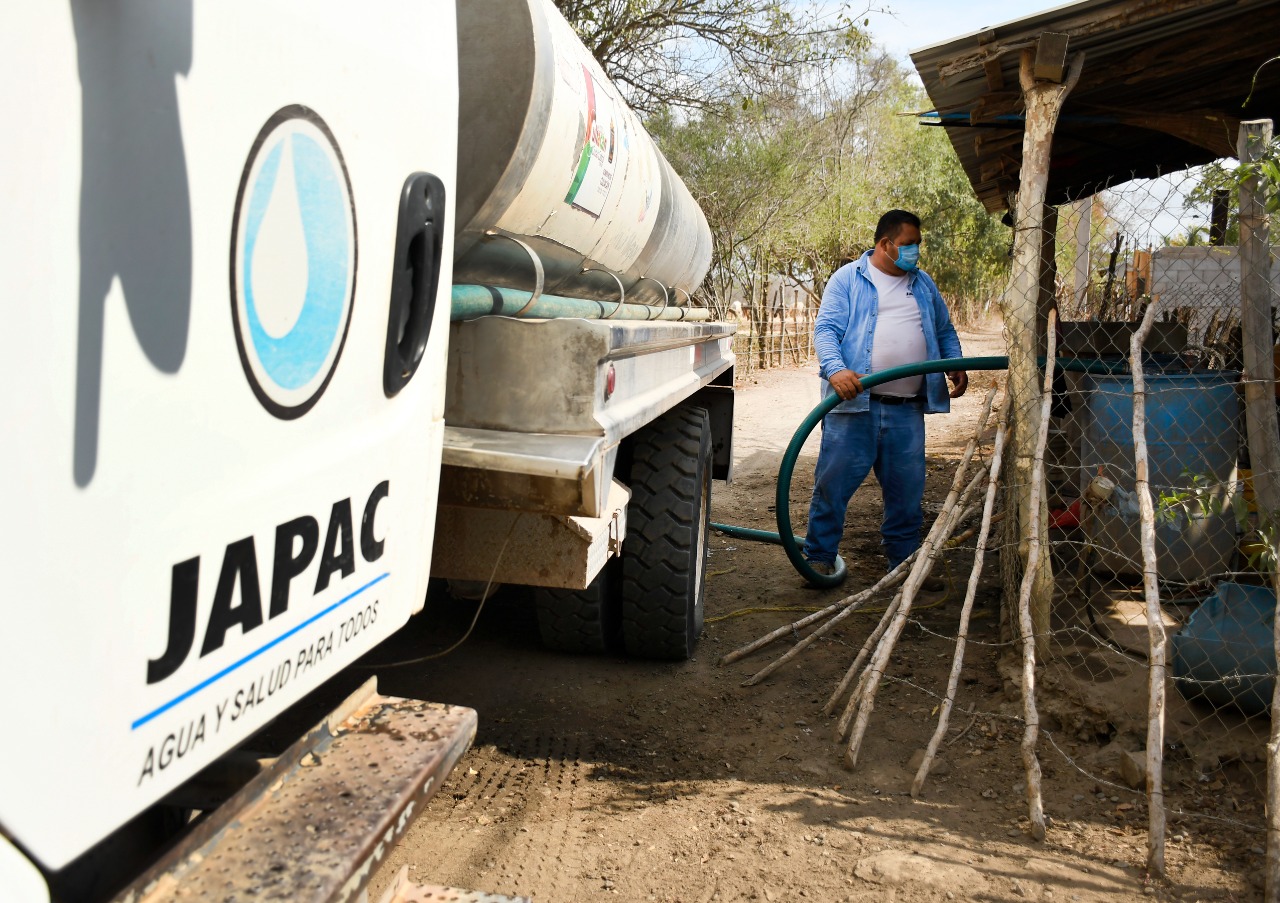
(782, 501)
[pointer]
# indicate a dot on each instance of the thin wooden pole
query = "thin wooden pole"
(1080, 279)
(1260, 419)
(842, 728)
(1155, 618)
(957, 661)
(872, 642)
(1036, 554)
(809, 640)
(869, 684)
(1256, 323)
(889, 579)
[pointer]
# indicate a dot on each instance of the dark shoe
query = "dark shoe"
(933, 585)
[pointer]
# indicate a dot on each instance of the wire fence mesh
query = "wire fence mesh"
(1133, 250)
(1152, 624)
(1183, 660)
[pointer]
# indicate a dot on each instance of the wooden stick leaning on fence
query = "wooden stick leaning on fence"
(1155, 617)
(872, 642)
(850, 605)
(889, 612)
(854, 669)
(862, 700)
(869, 682)
(1031, 730)
(897, 575)
(962, 634)
(967, 534)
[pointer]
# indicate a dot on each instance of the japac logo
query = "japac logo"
(293, 261)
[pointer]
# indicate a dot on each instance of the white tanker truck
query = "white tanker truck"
(308, 304)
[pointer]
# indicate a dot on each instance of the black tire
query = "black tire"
(664, 555)
(582, 621)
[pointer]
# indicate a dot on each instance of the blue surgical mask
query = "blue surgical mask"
(908, 257)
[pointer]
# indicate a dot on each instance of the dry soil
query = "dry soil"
(598, 778)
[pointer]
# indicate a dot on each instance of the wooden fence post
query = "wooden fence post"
(1256, 324)
(1260, 421)
(1043, 102)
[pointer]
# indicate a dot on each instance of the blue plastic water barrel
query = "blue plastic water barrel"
(1193, 423)
(1226, 654)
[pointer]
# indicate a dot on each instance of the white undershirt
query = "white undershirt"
(898, 337)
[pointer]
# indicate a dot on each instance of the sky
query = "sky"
(911, 24)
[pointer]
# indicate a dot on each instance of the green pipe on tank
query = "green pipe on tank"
(468, 302)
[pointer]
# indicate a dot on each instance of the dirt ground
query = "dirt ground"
(602, 778)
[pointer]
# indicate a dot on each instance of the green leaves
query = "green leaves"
(793, 181)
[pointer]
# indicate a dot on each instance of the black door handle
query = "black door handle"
(419, 241)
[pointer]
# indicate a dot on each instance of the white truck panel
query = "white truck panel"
(138, 442)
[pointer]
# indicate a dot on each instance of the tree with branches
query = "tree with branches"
(698, 54)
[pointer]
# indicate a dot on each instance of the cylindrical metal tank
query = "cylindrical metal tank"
(548, 152)
(1193, 423)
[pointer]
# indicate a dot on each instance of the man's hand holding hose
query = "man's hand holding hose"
(846, 383)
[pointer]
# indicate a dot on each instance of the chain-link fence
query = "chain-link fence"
(1153, 615)
(1139, 252)
(1136, 469)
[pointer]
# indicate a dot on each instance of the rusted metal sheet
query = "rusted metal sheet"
(316, 824)
(405, 891)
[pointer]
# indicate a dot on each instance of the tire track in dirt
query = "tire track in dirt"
(509, 818)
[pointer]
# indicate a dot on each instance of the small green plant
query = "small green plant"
(1205, 496)
(1202, 496)
(1266, 168)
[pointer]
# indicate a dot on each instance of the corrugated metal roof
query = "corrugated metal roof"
(1161, 89)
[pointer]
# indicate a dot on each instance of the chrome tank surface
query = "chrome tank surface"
(548, 152)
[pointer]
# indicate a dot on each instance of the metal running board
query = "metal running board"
(404, 891)
(316, 824)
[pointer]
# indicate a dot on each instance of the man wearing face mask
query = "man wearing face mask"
(878, 312)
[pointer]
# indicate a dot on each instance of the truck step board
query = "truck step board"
(316, 824)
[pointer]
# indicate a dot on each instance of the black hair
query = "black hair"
(892, 222)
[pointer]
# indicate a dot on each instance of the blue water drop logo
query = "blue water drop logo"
(293, 261)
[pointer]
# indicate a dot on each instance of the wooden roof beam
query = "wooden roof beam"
(1051, 57)
(989, 106)
(991, 65)
(990, 144)
(1004, 166)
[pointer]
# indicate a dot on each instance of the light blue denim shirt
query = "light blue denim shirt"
(846, 327)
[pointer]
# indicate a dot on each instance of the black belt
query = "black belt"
(895, 399)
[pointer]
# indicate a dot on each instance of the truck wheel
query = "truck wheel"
(582, 621)
(664, 555)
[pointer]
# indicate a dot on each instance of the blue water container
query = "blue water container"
(1193, 430)
(1226, 653)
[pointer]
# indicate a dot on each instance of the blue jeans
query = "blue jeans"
(888, 438)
